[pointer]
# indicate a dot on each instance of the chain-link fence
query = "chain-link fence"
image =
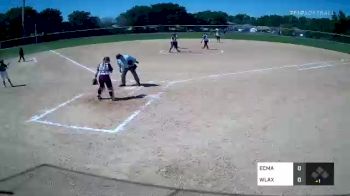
(223, 29)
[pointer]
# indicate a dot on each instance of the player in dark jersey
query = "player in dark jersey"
(173, 43)
(3, 73)
(103, 72)
(21, 55)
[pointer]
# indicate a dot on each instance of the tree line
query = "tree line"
(170, 14)
(47, 21)
(50, 20)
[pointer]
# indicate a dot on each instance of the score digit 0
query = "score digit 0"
(299, 173)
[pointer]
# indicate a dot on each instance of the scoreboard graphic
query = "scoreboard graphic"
(291, 174)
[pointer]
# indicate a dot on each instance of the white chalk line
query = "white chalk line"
(73, 126)
(316, 67)
(76, 63)
(170, 83)
(122, 125)
(323, 66)
(73, 61)
(229, 74)
(37, 117)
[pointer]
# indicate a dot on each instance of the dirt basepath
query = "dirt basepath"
(203, 121)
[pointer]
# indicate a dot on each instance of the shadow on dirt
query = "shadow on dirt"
(149, 85)
(145, 85)
(141, 96)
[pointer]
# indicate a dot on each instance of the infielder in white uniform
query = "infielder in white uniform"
(127, 63)
(205, 39)
(217, 35)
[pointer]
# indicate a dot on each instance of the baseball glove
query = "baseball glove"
(94, 81)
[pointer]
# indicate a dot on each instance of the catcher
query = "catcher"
(127, 63)
(103, 72)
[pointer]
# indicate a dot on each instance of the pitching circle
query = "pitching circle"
(192, 52)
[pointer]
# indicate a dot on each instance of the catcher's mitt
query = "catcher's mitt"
(94, 81)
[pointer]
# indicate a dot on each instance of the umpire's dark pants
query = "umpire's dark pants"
(133, 71)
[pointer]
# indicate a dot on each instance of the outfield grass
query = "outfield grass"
(331, 45)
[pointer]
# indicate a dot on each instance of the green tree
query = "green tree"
(169, 14)
(50, 20)
(212, 18)
(122, 20)
(242, 19)
(83, 20)
(13, 18)
(341, 23)
(138, 15)
(157, 14)
(3, 27)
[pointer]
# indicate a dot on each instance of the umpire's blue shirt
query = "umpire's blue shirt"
(123, 62)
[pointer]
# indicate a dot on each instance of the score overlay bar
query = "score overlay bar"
(290, 174)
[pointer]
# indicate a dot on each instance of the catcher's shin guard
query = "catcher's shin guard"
(99, 91)
(111, 94)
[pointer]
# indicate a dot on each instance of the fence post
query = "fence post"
(36, 35)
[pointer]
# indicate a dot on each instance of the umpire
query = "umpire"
(127, 63)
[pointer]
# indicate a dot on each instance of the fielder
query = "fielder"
(205, 39)
(103, 72)
(127, 63)
(217, 35)
(21, 55)
(4, 74)
(173, 43)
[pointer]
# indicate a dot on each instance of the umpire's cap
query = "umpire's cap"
(118, 56)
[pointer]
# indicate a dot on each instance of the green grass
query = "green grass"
(331, 45)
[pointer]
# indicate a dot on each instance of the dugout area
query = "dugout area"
(202, 120)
